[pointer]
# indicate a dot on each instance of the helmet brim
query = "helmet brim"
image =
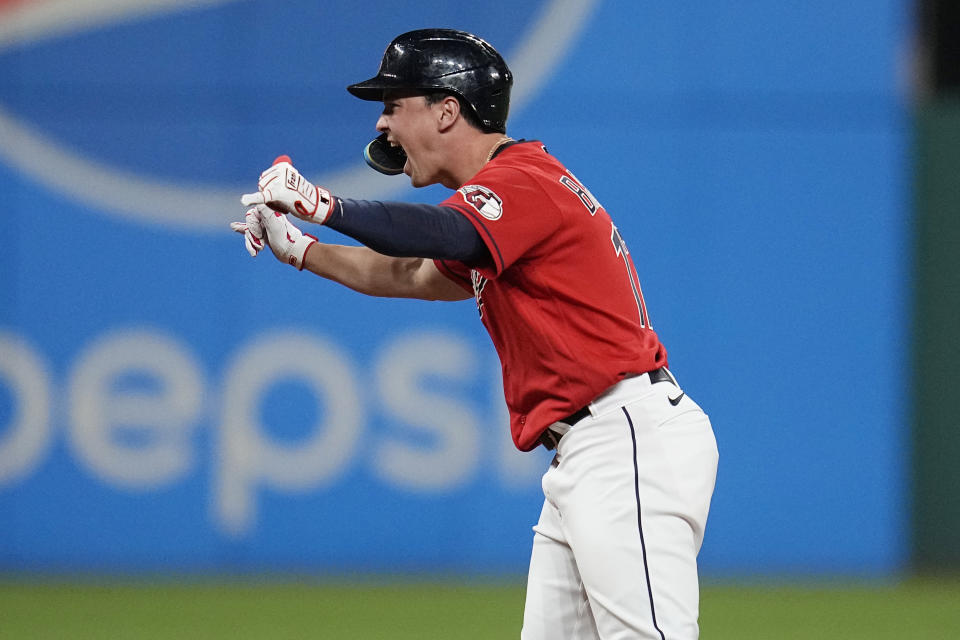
(374, 88)
(371, 89)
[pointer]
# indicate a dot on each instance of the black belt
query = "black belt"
(549, 438)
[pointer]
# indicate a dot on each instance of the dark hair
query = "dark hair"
(465, 109)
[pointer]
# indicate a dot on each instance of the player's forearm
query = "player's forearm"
(367, 271)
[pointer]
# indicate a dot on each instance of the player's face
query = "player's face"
(411, 123)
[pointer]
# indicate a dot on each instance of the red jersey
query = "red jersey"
(561, 298)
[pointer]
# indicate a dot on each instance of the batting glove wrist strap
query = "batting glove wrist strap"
(263, 227)
(298, 251)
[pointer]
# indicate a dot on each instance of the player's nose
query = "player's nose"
(382, 124)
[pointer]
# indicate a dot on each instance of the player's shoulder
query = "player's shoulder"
(521, 173)
(519, 162)
(521, 177)
(521, 152)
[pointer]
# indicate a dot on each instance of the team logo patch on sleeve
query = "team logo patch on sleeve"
(486, 202)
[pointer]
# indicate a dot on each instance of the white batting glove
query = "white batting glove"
(252, 230)
(282, 188)
(263, 226)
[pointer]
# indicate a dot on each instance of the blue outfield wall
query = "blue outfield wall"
(167, 403)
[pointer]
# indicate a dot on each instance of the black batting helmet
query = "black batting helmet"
(445, 60)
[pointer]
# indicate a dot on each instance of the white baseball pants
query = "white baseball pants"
(625, 506)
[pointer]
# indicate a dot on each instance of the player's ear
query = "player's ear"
(448, 113)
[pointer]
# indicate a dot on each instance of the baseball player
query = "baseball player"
(627, 494)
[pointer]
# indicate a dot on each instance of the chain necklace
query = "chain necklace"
(502, 141)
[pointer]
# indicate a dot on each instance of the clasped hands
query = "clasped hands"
(282, 190)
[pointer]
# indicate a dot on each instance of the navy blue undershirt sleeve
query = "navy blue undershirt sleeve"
(404, 229)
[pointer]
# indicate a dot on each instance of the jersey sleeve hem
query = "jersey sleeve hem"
(457, 278)
(485, 235)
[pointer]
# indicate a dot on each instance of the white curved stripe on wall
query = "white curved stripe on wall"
(206, 207)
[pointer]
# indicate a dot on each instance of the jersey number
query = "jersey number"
(621, 248)
(619, 245)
